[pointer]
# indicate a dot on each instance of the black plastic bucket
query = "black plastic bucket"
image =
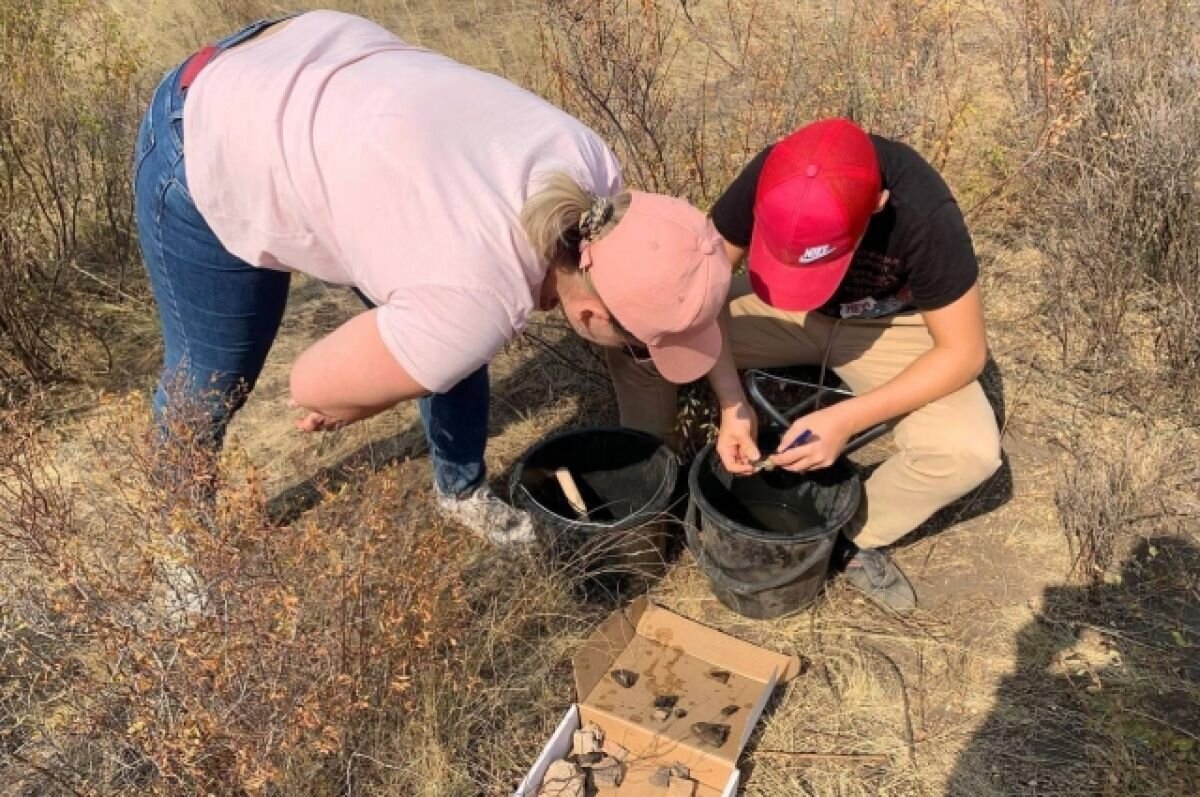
(765, 541)
(627, 479)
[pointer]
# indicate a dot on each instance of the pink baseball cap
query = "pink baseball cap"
(815, 196)
(663, 273)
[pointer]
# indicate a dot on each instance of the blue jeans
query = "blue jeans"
(219, 315)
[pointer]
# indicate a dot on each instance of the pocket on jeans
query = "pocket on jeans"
(177, 199)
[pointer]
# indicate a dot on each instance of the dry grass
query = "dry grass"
(687, 93)
(66, 240)
(1109, 498)
(361, 646)
(1121, 206)
(326, 660)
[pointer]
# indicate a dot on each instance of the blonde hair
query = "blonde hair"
(562, 214)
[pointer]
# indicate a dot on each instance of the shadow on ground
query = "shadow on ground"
(1105, 699)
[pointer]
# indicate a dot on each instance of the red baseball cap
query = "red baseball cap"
(663, 273)
(816, 193)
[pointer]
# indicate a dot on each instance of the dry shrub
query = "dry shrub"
(68, 113)
(489, 34)
(334, 654)
(687, 93)
(898, 68)
(1115, 493)
(1121, 208)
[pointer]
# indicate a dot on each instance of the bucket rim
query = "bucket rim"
(706, 507)
(634, 519)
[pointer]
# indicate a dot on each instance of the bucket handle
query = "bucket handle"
(784, 419)
(692, 531)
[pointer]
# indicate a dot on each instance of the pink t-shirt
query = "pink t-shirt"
(335, 149)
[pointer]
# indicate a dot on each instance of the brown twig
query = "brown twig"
(812, 757)
(44, 772)
(554, 352)
(909, 734)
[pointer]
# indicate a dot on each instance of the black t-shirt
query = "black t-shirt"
(916, 252)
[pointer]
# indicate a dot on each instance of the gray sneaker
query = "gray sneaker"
(875, 575)
(494, 520)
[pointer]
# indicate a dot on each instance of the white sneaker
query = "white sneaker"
(185, 595)
(484, 513)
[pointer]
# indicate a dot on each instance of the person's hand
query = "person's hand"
(737, 439)
(829, 431)
(313, 421)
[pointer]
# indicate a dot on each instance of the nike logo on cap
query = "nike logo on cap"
(816, 253)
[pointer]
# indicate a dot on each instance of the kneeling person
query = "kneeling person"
(859, 258)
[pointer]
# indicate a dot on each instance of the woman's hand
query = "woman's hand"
(830, 429)
(313, 421)
(737, 439)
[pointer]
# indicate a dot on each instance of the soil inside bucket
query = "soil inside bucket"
(620, 474)
(628, 480)
(765, 541)
(777, 503)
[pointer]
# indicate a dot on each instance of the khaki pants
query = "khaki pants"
(945, 448)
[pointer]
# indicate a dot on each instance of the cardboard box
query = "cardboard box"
(672, 656)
